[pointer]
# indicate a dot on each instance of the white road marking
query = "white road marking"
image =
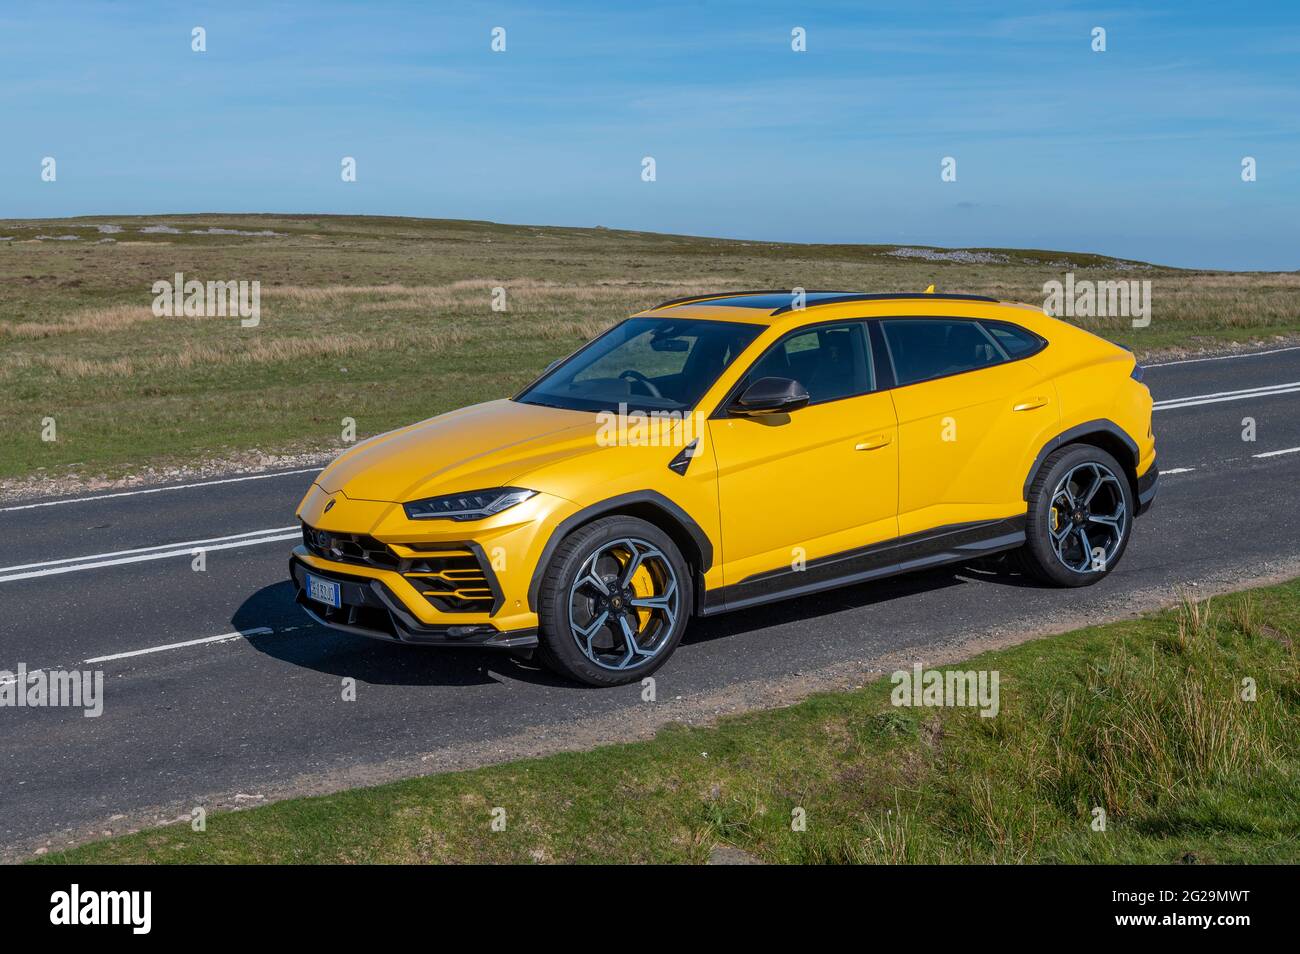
(1220, 396)
(162, 546)
(224, 637)
(30, 570)
(1176, 470)
(31, 672)
(160, 490)
(1222, 357)
(1278, 453)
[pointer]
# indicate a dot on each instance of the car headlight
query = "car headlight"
(474, 505)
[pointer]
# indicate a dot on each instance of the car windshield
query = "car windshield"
(645, 364)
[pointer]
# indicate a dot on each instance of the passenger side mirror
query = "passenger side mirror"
(771, 396)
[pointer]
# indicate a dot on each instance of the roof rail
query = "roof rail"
(929, 296)
(728, 294)
(840, 297)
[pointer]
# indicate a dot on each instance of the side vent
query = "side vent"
(683, 460)
(453, 581)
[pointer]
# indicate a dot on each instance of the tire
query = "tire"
(1054, 542)
(574, 642)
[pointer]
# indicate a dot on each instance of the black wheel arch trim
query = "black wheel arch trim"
(1148, 483)
(615, 505)
(1083, 430)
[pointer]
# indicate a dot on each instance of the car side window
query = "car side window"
(1014, 340)
(830, 361)
(925, 348)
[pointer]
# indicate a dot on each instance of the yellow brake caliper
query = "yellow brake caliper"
(643, 585)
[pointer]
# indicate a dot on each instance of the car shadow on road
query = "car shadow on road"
(805, 609)
(297, 639)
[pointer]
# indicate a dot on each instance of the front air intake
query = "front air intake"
(454, 577)
(452, 580)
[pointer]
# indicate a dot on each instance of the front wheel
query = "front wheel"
(1080, 517)
(614, 602)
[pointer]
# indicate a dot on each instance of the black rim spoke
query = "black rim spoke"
(1089, 518)
(614, 621)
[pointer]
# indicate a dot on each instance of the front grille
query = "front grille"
(453, 577)
(349, 548)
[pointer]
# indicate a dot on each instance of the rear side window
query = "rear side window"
(1014, 340)
(925, 348)
(831, 361)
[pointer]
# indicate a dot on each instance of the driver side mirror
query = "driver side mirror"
(770, 396)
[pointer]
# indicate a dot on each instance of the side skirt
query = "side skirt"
(917, 551)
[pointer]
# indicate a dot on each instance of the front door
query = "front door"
(807, 487)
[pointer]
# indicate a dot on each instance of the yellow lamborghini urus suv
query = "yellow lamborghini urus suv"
(722, 451)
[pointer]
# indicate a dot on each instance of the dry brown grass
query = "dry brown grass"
(477, 291)
(87, 320)
(329, 293)
(255, 352)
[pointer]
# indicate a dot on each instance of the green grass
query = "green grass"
(1142, 718)
(389, 321)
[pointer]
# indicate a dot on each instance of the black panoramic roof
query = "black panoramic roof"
(779, 302)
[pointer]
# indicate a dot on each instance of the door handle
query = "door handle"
(874, 442)
(1028, 404)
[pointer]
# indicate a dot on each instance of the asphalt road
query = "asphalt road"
(246, 718)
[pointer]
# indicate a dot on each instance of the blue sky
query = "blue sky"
(1133, 152)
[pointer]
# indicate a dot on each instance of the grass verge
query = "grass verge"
(1144, 719)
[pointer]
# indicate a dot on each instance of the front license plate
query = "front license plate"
(323, 591)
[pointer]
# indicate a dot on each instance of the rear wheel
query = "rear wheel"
(1080, 517)
(614, 602)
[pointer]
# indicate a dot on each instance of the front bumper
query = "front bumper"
(370, 608)
(507, 547)
(1147, 485)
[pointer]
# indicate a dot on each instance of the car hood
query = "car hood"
(475, 448)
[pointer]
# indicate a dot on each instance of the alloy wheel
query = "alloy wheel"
(1088, 518)
(623, 604)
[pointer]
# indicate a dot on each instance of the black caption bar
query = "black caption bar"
(215, 904)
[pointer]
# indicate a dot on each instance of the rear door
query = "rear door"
(818, 481)
(970, 406)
